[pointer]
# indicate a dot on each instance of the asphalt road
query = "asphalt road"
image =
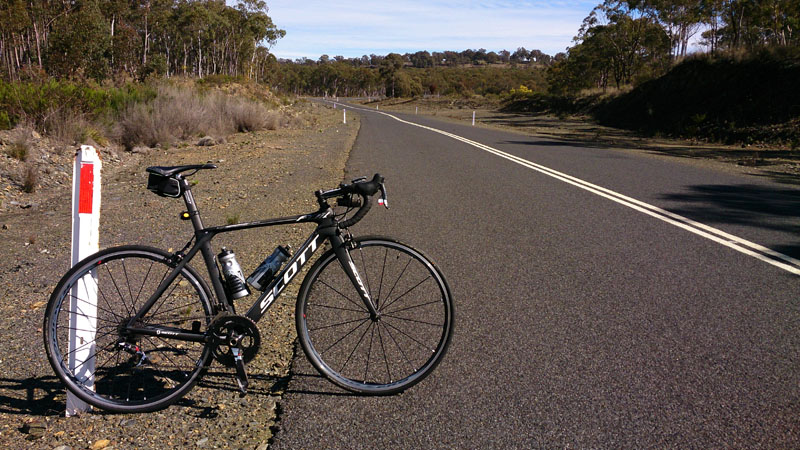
(580, 321)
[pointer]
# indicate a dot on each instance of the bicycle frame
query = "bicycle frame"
(327, 228)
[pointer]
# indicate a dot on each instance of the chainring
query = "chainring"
(224, 329)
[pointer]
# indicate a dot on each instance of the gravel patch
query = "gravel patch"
(262, 174)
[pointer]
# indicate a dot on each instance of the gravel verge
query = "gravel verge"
(262, 174)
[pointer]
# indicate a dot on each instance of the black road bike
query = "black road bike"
(373, 315)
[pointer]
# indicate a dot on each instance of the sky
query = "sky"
(353, 28)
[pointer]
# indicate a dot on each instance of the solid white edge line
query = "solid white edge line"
(749, 248)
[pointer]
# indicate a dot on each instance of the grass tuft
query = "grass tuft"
(30, 180)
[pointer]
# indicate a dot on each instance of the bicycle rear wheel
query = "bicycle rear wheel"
(130, 373)
(386, 355)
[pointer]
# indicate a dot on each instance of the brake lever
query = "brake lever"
(383, 200)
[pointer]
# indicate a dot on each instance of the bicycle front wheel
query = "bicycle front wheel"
(102, 364)
(392, 352)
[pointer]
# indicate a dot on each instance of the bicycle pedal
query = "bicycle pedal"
(241, 371)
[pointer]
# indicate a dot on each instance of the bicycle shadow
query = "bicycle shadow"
(315, 384)
(38, 396)
(46, 396)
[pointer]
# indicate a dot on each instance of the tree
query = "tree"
(611, 45)
(388, 70)
(80, 44)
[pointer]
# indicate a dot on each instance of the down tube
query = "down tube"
(292, 268)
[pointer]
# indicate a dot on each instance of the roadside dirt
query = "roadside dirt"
(777, 163)
(260, 175)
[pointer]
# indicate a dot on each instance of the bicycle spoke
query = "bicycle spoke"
(385, 357)
(97, 306)
(406, 292)
(361, 339)
(408, 336)
(398, 279)
(338, 324)
(380, 284)
(166, 297)
(369, 352)
(335, 307)
(144, 280)
(184, 354)
(439, 301)
(414, 320)
(346, 297)
(410, 364)
(169, 310)
(345, 336)
(128, 282)
(121, 297)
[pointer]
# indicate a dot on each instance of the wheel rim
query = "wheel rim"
(391, 352)
(130, 371)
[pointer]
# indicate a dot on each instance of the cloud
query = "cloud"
(354, 28)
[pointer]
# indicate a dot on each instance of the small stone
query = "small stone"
(35, 135)
(140, 150)
(127, 422)
(5, 226)
(63, 447)
(101, 444)
(202, 442)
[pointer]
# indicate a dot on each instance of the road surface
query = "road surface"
(603, 298)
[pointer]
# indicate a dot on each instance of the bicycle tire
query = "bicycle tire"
(396, 351)
(124, 380)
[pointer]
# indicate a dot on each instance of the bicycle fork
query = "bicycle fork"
(342, 249)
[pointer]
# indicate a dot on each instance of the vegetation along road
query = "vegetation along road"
(604, 298)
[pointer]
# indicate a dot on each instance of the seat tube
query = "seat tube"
(205, 249)
(343, 255)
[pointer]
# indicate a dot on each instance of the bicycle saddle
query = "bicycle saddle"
(168, 171)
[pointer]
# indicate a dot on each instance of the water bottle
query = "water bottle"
(263, 275)
(234, 278)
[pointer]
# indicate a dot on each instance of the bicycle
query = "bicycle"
(373, 315)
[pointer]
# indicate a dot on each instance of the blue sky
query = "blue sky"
(353, 28)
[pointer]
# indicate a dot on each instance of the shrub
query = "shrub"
(30, 180)
(19, 146)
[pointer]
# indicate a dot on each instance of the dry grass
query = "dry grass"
(30, 179)
(181, 114)
(70, 128)
(20, 145)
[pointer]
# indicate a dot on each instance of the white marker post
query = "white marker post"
(344, 116)
(473, 118)
(416, 109)
(85, 241)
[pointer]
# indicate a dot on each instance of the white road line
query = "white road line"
(749, 248)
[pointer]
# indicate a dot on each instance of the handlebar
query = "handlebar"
(361, 187)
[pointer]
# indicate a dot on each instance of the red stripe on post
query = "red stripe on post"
(86, 189)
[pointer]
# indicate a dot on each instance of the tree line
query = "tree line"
(100, 39)
(624, 42)
(469, 72)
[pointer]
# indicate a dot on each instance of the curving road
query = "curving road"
(603, 299)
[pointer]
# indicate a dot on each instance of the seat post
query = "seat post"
(191, 206)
